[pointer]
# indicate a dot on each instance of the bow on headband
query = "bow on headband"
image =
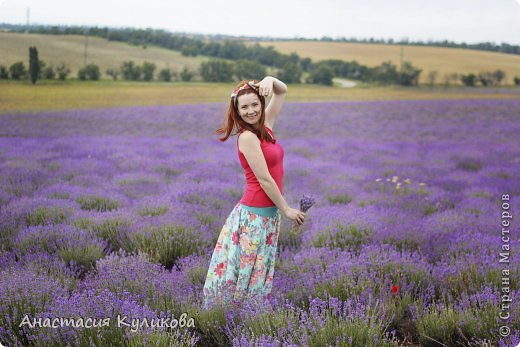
(248, 85)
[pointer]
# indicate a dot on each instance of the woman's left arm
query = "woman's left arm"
(279, 90)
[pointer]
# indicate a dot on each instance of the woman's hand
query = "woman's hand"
(265, 86)
(295, 215)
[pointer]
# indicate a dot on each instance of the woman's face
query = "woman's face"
(249, 108)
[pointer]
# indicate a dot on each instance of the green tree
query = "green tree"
(291, 73)
(322, 74)
(63, 71)
(89, 72)
(409, 75)
(216, 70)
(498, 76)
(469, 80)
(114, 73)
(517, 81)
(190, 50)
(130, 71)
(386, 73)
(148, 70)
(48, 73)
(249, 69)
(4, 73)
(306, 64)
(494, 78)
(43, 65)
(17, 71)
(486, 78)
(165, 75)
(186, 74)
(34, 65)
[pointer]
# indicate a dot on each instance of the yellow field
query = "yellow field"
(70, 49)
(444, 60)
(18, 97)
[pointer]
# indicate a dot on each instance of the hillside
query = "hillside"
(70, 49)
(444, 60)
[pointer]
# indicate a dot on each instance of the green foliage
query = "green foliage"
(97, 203)
(190, 50)
(82, 256)
(443, 324)
(409, 75)
(42, 65)
(290, 237)
(342, 236)
(113, 230)
(49, 73)
(17, 71)
(58, 195)
(148, 70)
(386, 73)
(43, 215)
(153, 211)
(404, 244)
(216, 70)
(165, 244)
(321, 75)
(165, 75)
(469, 80)
(249, 69)
(400, 316)
(488, 78)
(34, 66)
(63, 71)
(210, 325)
(112, 73)
(176, 338)
(4, 73)
(327, 329)
(339, 199)
(130, 71)
(469, 164)
(468, 279)
(89, 72)
(290, 73)
(186, 75)
(343, 288)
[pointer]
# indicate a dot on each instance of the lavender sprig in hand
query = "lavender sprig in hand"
(306, 202)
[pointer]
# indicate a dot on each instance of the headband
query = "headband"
(248, 85)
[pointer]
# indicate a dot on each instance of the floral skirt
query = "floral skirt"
(242, 264)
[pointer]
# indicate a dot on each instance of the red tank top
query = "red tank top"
(254, 195)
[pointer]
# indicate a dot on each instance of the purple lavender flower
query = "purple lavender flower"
(306, 202)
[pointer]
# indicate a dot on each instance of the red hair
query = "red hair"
(232, 119)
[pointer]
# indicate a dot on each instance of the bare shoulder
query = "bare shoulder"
(247, 139)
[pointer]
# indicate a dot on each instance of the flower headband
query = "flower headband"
(248, 85)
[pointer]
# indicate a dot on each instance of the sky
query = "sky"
(469, 21)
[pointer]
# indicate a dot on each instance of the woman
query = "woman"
(242, 264)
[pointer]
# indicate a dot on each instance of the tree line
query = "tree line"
(147, 36)
(220, 70)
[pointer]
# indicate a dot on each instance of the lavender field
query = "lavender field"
(108, 212)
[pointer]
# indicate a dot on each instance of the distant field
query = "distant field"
(70, 49)
(444, 60)
(18, 97)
